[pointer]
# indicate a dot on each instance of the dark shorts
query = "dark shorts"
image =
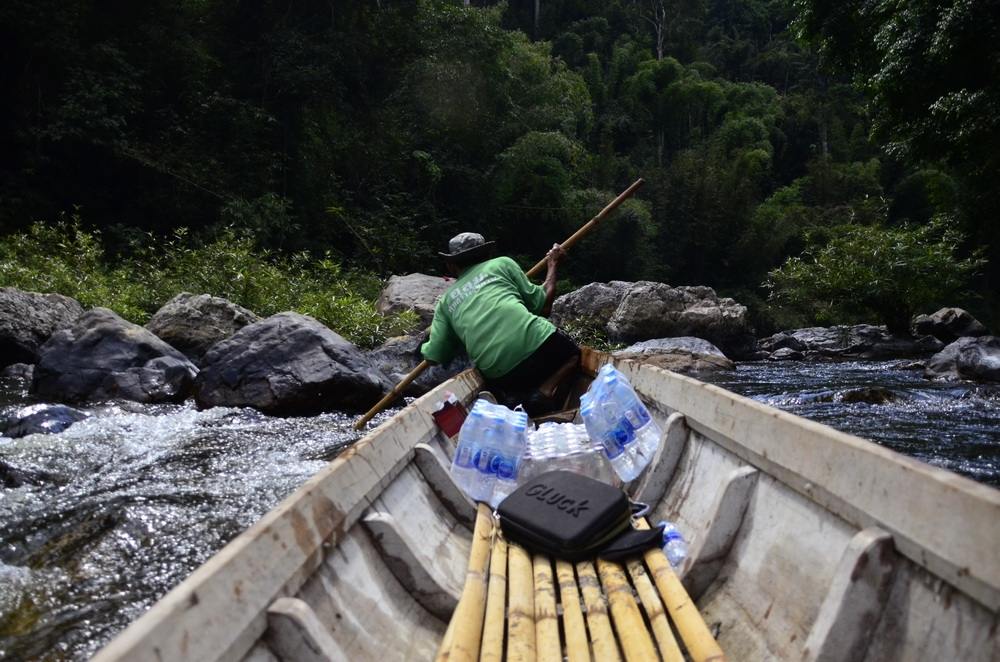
(541, 364)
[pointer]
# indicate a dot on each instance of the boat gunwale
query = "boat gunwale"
(949, 531)
(280, 550)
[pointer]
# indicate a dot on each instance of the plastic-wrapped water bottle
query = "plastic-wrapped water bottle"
(601, 427)
(463, 465)
(628, 416)
(674, 545)
(647, 432)
(507, 459)
(490, 444)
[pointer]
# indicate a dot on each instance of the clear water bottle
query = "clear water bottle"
(490, 444)
(601, 427)
(647, 432)
(463, 465)
(633, 423)
(674, 545)
(508, 457)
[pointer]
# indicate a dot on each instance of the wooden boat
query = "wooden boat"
(806, 543)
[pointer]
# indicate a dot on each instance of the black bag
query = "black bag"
(565, 515)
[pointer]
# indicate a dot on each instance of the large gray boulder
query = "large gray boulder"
(593, 304)
(976, 358)
(655, 310)
(103, 356)
(27, 319)
(288, 364)
(861, 341)
(948, 325)
(397, 357)
(193, 323)
(416, 292)
(685, 355)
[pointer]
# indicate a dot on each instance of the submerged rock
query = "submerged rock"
(103, 357)
(948, 325)
(861, 341)
(42, 419)
(397, 357)
(12, 476)
(28, 319)
(684, 355)
(18, 373)
(193, 323)
(967, 358)
(416, 292)
(873, 395)
(288, 364)
(786, 354)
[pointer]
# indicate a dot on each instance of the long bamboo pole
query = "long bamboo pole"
(577, 649)
(698, 639)
(632, 633)
(496, 604)
(468, 617)
(531, 273)
(602, 637)
(656, 614)
(520, 605)
(547, 646)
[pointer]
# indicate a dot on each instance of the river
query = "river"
(120, 507)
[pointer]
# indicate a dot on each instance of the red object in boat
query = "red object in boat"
(450, 415)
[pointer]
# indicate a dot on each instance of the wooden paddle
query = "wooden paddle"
(531, 273)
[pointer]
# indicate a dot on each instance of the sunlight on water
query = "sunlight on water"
(119, 508)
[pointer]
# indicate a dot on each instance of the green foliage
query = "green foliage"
(369, 133)
(64, 258)
(873, 271)
(591, 335)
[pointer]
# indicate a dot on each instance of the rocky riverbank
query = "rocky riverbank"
(219, 354)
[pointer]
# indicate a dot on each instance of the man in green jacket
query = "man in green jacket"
(498, 316)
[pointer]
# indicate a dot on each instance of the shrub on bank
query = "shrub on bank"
(65, 258)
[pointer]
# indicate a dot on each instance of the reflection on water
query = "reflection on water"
(116, 510)
(951, 425)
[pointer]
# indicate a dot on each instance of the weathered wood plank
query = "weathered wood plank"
(860, 588)
(715, 540)
(295, 633)
(420, 541)
(433, 465)
(365, 608)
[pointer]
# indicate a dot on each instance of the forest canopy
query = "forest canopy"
(362, 135)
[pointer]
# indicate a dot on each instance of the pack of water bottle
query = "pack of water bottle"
(491, 444)
(565, 446)
(617, 419)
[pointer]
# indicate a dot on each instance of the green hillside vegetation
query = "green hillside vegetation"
(291, 154)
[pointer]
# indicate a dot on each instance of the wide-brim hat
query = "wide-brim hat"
(467, 247)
